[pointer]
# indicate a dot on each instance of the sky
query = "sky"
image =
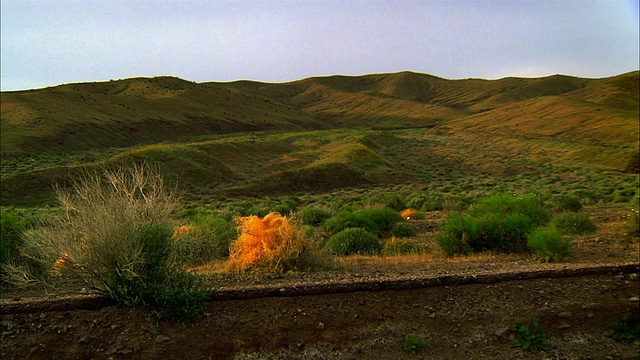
(50, 42)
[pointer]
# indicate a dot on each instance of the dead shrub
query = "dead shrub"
(274, 243)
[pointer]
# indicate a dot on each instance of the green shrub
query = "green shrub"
(284, 209)
(455, 233)
(567, 203)
(528, 205)
(571, 223)
(346, 219)
(403, 229)
(383, 218)
(207, 239)
(550, 244)
(529, 338)
(353, 241)
(416, 201)
(627, 329)
(379, 221)
(499, 223)
(392, 201)
(412, 344)
(313, 216)
(11, 241)
(180, 296)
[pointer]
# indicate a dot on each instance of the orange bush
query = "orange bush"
(410, 214)
(272, 243)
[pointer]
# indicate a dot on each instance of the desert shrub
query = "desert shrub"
(274, 244)
(383, 218)
(116, 235)
(416, 201)
(379, 221)
(499, 223)
(455, 233)
(207, 239)
(433, 202)
(353, 241)
(26, 262)
(528, 205)
(347, 219)
(412, 344)
(284, 208)
(392, 201)
(313, 216)
(566, 202)
(529, 337)
(410, 214)
(403, 229)
(571, 223)
(11, 229)
(550, 244)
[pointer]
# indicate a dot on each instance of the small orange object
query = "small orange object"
(58, 266)
(410, 214)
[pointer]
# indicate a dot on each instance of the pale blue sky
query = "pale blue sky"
(61, 41)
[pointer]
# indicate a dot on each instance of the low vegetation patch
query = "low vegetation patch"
(571, 223)
(353, 241)
(529, 336)
(627, 329)
(313, 216)
(412, 344)
(499, 223)
(379, 221)
(207, 239)
(397, 246)
(549, 243)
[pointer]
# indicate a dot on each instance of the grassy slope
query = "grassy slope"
(510, 125)
(133, 112)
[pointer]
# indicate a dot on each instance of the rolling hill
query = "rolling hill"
(318, 134)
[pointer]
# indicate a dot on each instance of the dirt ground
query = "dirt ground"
(461, 309)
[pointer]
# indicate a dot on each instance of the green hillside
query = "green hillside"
(319, 135)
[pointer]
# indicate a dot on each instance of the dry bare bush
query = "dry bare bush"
(274, 243)
(104, 216)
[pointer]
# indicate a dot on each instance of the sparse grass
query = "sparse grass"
(571, 223)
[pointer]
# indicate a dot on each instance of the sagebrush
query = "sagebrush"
(115, 233)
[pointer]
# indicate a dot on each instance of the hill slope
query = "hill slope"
(319, 134)
(142, 111)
